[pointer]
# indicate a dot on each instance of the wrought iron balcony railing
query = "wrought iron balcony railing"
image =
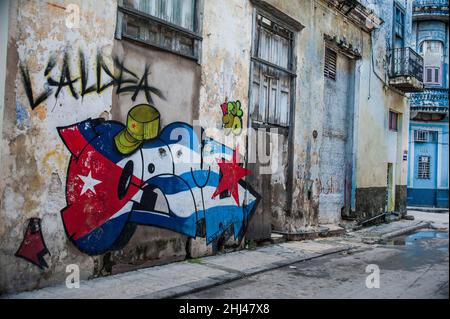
(431, 100)
(425, 9)
(430, 3)
(406, 71)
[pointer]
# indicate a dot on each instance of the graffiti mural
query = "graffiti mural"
(33, 248)
(126, 81)
(232, 117)
(176, 178)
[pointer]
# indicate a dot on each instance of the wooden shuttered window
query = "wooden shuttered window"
(330, 64)
(170, 25)
(273, 73)
(178, 12)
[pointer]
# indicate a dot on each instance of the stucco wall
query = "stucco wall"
(34, 163)
(377, 145)
(34, 159)
(59, 76)
(227, 31)
(372, 97)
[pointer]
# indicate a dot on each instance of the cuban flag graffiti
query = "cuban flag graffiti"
(179, 180)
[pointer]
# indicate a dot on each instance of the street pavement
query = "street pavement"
(416, 270)
(410, 266)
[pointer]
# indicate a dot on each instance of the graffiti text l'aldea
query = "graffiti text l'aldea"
(125, 80)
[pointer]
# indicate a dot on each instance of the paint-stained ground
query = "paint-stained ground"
(411, 266)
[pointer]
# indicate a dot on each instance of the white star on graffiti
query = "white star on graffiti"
(89, 183)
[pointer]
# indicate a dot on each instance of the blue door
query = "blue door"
(425, 174)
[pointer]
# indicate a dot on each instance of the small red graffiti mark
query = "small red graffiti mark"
(56, 6)
(33, 247)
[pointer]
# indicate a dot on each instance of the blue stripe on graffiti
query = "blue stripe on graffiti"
(185, 226)
(102, 238)
(101, 137)
(173, 184)
(219, 218)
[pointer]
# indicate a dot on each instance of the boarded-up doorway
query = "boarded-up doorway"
(336, 151)
(271, 107)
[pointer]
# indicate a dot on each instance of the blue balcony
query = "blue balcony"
(430, 9)
(432, 103)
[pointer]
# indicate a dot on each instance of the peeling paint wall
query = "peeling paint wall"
(34, 159)
(377, 145)
(63, 79)
(372, 99)
(225, 63)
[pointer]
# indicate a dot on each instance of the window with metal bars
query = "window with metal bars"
(421, 136)
(330, 64)
(424, 167)
(273, 73)
(424, 136)
(169, 25)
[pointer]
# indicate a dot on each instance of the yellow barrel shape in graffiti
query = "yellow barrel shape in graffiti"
(142, 125)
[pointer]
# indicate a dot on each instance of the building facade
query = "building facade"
(428, 158)
(148, 131)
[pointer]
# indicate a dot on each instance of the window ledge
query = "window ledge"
(172, 26)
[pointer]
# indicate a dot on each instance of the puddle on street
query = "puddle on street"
(417, 238)
(423, 247)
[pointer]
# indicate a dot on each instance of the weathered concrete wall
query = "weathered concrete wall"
(309, 105)
(165, 71)
(372, 100)
(34, 160)
(69, 89)
(376, 144)
(227, 35)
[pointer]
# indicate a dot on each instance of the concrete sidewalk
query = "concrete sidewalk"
(181, 278)
(176, 279)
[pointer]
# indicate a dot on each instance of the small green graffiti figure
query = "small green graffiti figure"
(232, 117)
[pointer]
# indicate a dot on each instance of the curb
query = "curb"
(429, 209)
(311, 235)
(383, 238)
(206, 283)
(405, 230)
